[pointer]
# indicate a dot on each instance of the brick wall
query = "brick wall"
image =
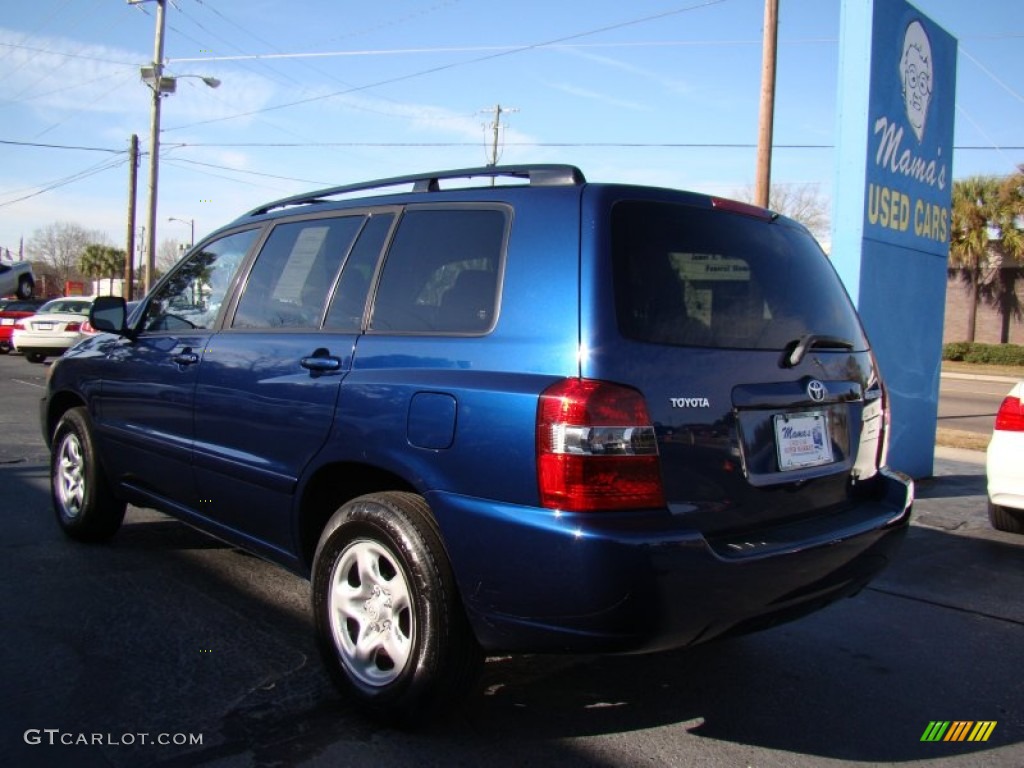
(989, 321)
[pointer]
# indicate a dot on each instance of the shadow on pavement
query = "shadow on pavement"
(165, 630)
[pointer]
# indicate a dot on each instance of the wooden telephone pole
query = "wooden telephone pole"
(763, 181)
(129, 249)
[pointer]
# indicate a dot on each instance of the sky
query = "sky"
(318, 93)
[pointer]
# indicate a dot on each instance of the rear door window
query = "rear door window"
(442, 272)
(349, 302)
(690, 276)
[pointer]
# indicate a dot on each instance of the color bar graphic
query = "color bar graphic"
(958, 730)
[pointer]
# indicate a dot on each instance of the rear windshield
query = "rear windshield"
(689, 276)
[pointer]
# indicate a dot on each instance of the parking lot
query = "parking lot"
(166, 647)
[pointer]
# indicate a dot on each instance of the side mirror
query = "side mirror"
(108, 314)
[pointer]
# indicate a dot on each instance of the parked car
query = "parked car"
(12, 310)
(17, 279)
(52, 330)
(1005, 464)
(540, 416)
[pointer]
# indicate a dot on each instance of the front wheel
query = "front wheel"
(390, 623)
(86, 508)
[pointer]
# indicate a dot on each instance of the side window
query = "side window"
(442, 272)
(192, 296)
(290, 281)
(346, 312)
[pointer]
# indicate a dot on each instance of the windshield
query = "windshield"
(689, 276)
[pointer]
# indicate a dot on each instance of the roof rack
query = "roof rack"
(547, 175)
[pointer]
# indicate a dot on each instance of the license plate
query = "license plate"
(43, 326)
(803, 440)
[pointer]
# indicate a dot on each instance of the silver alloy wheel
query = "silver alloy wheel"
(71, 476)
(371, 613)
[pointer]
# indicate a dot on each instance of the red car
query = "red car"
(11, 311)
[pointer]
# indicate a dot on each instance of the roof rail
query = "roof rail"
(539, 175)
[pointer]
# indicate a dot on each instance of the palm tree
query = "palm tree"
(99, 261)
(1010, 250)
(975, 210)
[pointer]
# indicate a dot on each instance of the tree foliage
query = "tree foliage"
(802, 202)
(987, 243)
(101, 261)
(60, 245)
(168, 254)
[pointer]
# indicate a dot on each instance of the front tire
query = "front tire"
(86, 508)
(390, 624)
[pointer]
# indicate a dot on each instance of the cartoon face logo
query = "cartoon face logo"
(916, 76)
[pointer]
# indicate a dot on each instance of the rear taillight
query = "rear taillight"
(87, 327)
(596, 448)
(1010, 417)
(19, 326)
(73, 327)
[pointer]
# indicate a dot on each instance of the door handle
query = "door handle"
(321, 361)
(185, 357)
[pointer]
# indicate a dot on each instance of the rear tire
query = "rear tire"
(86, 508)
(1006, 519)
(389, 620)
(35, 357)
(26, 287)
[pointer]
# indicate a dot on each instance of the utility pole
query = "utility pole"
(133, 186)
(154, 143)
(762, 183)
(496, 127)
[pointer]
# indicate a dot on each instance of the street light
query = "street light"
(153, 76)
(192, 225)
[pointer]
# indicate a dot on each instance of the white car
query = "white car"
(52, 330)
(16, 279)
(1005, 466)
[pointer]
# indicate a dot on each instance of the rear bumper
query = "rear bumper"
(1005, 469)
(52, 344)
(537, 580)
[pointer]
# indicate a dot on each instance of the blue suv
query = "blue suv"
(496, 410)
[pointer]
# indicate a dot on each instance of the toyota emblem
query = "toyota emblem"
(816, 390)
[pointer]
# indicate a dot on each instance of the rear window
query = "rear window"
(688, 276)
(68, 307)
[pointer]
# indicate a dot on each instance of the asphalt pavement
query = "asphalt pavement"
(166, 633)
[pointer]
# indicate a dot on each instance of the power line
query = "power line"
(69, 55)
(100, 167)
(510, 48)
(442, 144)
(454, 65)
(59, 146)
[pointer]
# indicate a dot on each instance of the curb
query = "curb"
(978, 377)
(964, 455)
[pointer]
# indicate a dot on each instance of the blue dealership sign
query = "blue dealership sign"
(910, 130)
(892, 210)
